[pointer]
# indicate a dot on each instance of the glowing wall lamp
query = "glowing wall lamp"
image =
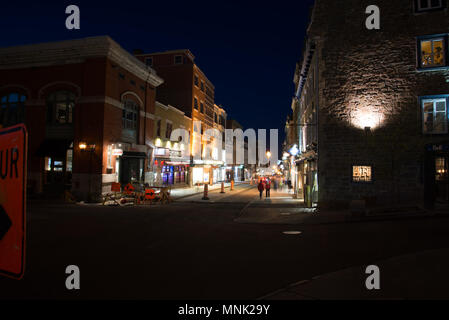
(294, 150)
(83, 145)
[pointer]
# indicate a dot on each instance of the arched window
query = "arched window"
(130, 115)
(60, 107)
(12, 109)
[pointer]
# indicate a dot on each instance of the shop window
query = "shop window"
(427, 5)
(434, 115)
(12, 109)
(362, 174)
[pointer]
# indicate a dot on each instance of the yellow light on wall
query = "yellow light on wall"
(158, 142)
(83, 145)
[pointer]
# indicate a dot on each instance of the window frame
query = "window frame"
(135, 118)
(51, 110)
(195, 103)
(146, 61)
(178, 56)
(432, 38)
(19, 111)
(418, 8)
(434, 99)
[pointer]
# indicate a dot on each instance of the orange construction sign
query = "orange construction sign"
(13, 155)
(150, 194)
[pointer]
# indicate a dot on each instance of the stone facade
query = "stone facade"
(369, 89)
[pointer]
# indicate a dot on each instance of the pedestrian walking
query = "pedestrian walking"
(260, 187)
(267, 188)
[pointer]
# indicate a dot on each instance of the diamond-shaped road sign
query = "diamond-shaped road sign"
(13, 157)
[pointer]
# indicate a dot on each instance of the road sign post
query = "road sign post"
(13, 168)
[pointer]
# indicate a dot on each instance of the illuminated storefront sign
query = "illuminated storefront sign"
(362, 174)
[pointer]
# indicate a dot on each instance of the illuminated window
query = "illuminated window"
(441, 168)
(362, 174)
(12, 110)
(434, 116)
(432, 52)
(425, 5)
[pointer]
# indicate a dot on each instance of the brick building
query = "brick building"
(89, 107)
(187, 88)
(372, 104)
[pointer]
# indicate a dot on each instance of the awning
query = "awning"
(53, 148)
(132, 154)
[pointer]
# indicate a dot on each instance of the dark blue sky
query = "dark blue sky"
(247, 49)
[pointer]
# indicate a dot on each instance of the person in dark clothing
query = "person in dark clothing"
(260, 187)
(267, 188)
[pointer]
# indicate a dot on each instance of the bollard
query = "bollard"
(232, 185)
(222, 188)
(206, 189)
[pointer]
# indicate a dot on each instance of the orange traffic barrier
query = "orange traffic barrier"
(232, 185)
(222, 188)
(206, 191)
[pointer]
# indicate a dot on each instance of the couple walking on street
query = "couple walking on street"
(264, 185)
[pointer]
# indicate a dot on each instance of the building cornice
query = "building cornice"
(75, 51)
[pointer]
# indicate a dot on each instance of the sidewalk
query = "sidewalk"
(421, 275)
(281, 208)
(181, 193)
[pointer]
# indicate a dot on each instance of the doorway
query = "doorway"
(441, 178)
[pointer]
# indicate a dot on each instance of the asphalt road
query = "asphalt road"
(192, 250)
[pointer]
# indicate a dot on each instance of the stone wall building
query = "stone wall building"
(378, 100)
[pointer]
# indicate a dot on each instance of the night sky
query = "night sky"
(247, 49)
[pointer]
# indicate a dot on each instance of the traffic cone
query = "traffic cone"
(232, 185)
(222, 188)
(206, 190)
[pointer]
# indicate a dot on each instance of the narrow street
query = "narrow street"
(198, 251)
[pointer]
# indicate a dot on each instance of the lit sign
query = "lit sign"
(117, 152)
(361, 174)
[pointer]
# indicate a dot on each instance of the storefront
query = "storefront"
(131, 167)
(436, 177)
(58, 159)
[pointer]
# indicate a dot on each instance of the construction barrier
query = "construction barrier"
(206, 191)
(222, 188)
